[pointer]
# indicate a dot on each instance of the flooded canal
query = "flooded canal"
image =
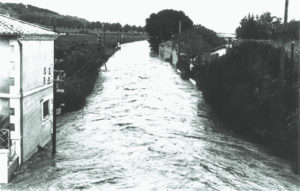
(144, 128)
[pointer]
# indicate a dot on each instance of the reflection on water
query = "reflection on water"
(144, 128)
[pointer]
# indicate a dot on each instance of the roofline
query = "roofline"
(38, 37)
(34, 25)
(8, 35)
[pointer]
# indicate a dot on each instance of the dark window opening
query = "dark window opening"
(46, 110)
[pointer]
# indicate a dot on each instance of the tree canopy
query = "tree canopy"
(162, 25)
(266, 26)
(197, 40)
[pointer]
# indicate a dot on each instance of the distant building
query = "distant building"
(219, 51)
(229, 37)
(26, 91)
(168, 52)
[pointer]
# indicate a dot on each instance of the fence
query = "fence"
(7, 143)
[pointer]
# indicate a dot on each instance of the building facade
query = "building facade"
(26, 91)
(167, 52)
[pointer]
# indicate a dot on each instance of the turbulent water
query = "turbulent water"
(144, 128)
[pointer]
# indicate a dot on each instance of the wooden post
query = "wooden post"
(179, 46)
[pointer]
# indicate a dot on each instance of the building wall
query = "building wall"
(4, 77)
(36, 130)
(4, 65)
(38, 62)
(9, 77)
(167, 53)
(174, 57)
(38, 58)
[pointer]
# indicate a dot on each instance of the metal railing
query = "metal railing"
(7, 143)
(4, 139)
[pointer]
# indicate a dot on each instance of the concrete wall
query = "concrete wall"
(37, 56)
(6, 168)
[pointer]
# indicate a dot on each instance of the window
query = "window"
(11, 111)
(46, 109)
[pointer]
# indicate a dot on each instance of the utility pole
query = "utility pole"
(179, 28)
(282, 57)
(292, 62)
(54, 116)
(58, 79)
(179, 47)
(104, 35)
(179, 33)
(118, 37)
(54, 110)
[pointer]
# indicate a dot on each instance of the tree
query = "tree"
(255, 27)
(126, 28)
(266, 26)
(292, 31)
(193, 43)
(209, 36)
(164, 24)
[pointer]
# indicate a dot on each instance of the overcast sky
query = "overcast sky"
(219, 15)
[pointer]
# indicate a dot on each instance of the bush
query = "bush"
(242, 87)
(80, 59)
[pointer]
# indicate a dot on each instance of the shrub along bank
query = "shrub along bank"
(242, 88)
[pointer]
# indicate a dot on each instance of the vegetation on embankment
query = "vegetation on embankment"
(242, 88)
(80, 56)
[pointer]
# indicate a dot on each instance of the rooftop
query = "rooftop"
(13, 27)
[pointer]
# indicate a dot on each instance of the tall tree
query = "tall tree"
(162, 25)
(266, 26)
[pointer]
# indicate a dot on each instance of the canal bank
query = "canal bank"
(145, 128)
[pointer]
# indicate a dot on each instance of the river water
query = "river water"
(144, 128)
